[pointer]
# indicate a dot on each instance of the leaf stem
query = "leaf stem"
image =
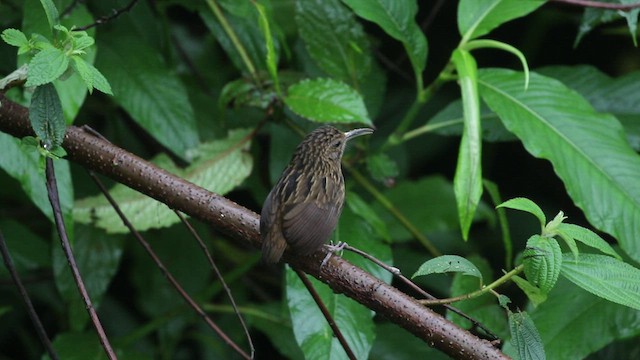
(488, 288)
(234, 39)
(387, 204)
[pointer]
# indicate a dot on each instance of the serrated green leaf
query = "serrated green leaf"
(588, 150)
(327, 100)
(91, 76)
(588, 238)
(605, 277)
(148, 90)
(272, 56)
(448, 263)
(524, 204)
(46, 66)
(15, 37)
(51, 11)
(571, 243)
(479, 17)
(534, 294)
(467, 182)
(45, 114)
(334, 39)
(525, 337)
(542, 262)
(397, 19)
(220, 166)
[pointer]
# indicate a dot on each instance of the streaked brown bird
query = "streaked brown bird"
(303, 208)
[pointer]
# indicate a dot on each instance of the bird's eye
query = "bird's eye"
(337, 144)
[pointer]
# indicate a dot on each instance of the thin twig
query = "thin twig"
(166, 271)
(600, 5)
(204, 248)
(42, 334)
(52, 190)
(105, 19)
(326, 313)
(396, 272)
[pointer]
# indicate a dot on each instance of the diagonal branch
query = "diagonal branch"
(241, 224)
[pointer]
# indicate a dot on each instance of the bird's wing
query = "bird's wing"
(306, 226)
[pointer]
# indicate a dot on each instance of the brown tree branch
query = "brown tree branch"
(242, 225)
(599, 4)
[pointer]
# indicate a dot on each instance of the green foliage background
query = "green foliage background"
(219, 92)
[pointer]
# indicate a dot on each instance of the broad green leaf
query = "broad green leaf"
(28, 250)
(525, 337)
(24, 166)
(145, 87)
(588, 150)
(311, 330)
(542, 262)
(327, 100)
(220, 166)
(594, 17)
(524, 204)
(535, 295)
(574, 323)
(484, 308)
(397, 19)
(45, 115)
(479, 17)
(618, 96)
(77, 345)
(334, 40)
(448, 263)
(391, 336)
(46, 66)
(604, 276)
(51, 11)
(588, 238)
(467, 182)
(98, 258)
(15, 37)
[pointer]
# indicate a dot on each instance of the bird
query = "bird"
(303, 208)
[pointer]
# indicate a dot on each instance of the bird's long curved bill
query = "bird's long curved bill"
(357, 132)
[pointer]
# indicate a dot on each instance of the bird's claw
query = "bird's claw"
(332, 250)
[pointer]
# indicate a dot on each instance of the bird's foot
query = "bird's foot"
(332, 250)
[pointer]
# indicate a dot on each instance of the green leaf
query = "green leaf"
(334, 40)
(588, 238)
(525, 337)
(91, 76)
(45, 114)
(479, 17)
(382, 167)
(588, 150)
(15, 37)
(574, 323)
(98, 258)
(75, 345)
(28, 250)
(272, 55)
(148, 90)
(364, 211)
(327, 100)
(52, 12)
(593, 17)
(535, 295)
(46, 66)
(448, 263)
(542, 262)
(524, 204)
(220, 166)
(397, 19)
(467, 182)
(24, 166)
(605, 277)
